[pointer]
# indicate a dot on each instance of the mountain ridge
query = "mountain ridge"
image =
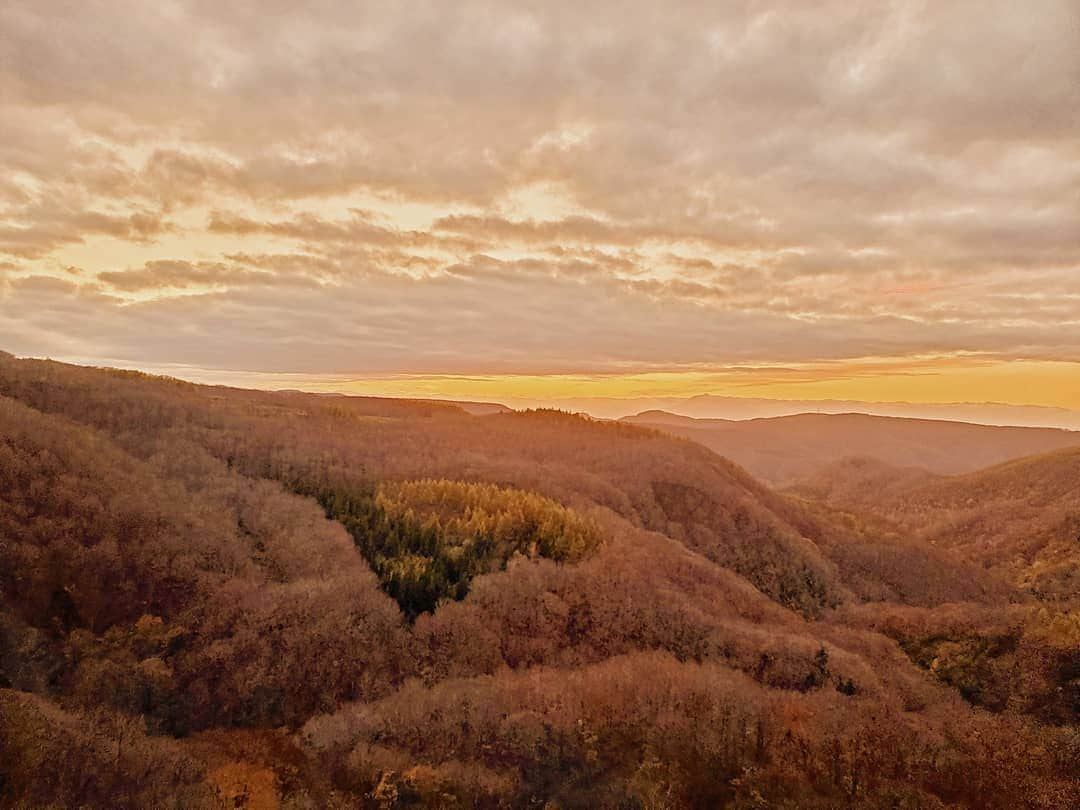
(782, 450)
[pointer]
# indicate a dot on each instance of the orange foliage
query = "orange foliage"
(178, 625)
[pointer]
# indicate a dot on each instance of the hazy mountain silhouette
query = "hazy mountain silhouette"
(785, 449)
(710, 406)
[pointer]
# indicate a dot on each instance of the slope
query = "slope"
(645, 626)
(1021, 517)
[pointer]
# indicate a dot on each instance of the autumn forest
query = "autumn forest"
(216, 597)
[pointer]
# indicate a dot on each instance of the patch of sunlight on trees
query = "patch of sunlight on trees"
(427, 540)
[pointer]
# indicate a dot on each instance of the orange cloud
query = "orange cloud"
(475, 190)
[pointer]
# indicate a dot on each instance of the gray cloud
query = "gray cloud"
(756, 181)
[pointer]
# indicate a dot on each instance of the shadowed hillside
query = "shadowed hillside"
(785, 449)
(1020, 522)
(1021, 517)
(213, 597)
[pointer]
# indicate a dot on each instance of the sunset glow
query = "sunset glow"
(770, 201)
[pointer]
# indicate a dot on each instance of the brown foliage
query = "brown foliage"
(186, 630)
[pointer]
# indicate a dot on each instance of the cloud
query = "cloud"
(571, 186)
(181, 275)
(54, 228)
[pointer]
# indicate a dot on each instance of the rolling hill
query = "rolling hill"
(785, 449)
(1020, 517)
(1020, 522)
(215, 597)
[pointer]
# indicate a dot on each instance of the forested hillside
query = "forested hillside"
(214, 597)
(1021, 518)
(1020, 522)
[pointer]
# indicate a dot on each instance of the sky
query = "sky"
(873, 201)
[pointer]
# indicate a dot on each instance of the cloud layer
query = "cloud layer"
(572, 187)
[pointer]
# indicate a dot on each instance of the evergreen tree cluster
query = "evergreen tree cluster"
(427, 540)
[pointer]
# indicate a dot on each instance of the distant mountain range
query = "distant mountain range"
(708, 406)
(785, 449)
